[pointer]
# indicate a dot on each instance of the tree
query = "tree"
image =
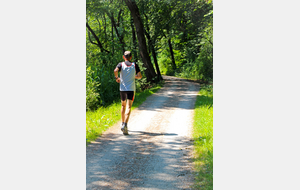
(151, 44)
(150, 73)
(176, 36)
(99, 44)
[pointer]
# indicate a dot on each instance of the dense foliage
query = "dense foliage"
(165, 36)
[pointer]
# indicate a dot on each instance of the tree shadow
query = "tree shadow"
(151, 134)
(139, 161)
(174, 95)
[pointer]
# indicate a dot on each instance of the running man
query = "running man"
(129, 71)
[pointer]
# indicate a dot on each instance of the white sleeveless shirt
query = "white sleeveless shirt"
(127, 76)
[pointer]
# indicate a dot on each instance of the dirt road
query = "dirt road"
(157, 152)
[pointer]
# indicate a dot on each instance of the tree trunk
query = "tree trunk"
(112, 38)
(135, 58)
(155, 62)
(105, 27)
(117, 32)
(172, 54)
(150, 73)
(97, 39)
(151, 47)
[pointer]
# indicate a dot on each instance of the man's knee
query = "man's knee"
(123, 103)
(129, 103)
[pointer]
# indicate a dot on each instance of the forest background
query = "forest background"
(168, 37)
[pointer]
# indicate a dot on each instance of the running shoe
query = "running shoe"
(124, 130)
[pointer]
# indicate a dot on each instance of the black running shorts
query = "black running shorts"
(127, 95)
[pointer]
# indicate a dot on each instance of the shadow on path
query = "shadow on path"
(156, 154)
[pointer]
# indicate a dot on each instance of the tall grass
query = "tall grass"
(203, 139)
(104, 117)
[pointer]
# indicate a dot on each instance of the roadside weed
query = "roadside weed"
(203, 139)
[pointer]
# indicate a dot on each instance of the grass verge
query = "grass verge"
(203, 138)
(210, 82)
(104, 117)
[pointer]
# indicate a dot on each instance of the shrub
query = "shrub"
(92, 97)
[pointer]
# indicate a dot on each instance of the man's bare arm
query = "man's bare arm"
(116, 75)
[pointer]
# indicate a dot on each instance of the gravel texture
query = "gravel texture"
(158, 150)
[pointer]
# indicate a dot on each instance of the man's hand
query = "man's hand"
(138, 76)
(118, 80)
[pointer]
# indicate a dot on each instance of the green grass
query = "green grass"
(203, 139)
(104, 117)
(193, 79)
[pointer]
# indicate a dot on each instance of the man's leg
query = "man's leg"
(130, 98)
(123, 105)
(128, 110)
(123, 108)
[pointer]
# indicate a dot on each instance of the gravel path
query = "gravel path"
(157, 152)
